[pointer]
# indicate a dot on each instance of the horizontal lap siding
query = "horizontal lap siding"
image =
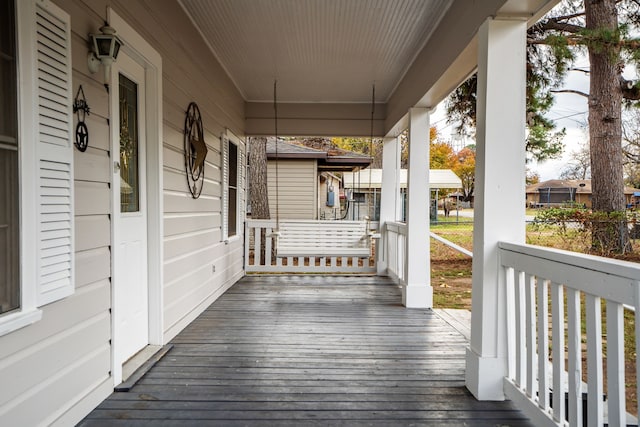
(197, 265)
(296, 189)
(59, 367)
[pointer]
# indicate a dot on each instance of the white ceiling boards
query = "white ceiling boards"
(333, 51)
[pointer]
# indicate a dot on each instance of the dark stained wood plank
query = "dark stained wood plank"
(309, 350)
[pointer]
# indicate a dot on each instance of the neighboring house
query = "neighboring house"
(558, 192)
(363, 189)
(307, 187)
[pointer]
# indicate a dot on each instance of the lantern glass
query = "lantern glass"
(116, 48)
(104, 45)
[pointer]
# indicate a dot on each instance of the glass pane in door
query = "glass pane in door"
(129, 170)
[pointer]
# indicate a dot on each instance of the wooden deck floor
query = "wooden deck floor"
(309, 350)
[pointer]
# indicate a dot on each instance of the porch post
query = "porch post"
(389, 196)
(416, 290)
(499, 196)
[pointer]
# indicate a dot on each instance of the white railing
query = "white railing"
(554, 293)
(261, 258)
(393, 244)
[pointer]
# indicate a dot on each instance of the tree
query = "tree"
(366, 146)
(532, 177)
(590, 27)
(258, 189)
(441, 156)
(631, 147)
(543, 142)
(579, 165)
(595, 28)
(465, 168)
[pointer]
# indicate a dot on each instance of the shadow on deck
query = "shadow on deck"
(309, 350)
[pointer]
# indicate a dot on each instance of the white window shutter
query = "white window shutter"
(225, 188)
(242, 172)
(55, 241)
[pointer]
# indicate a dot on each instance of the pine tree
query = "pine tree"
(588, 27)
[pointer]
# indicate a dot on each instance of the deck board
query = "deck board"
(309, 350)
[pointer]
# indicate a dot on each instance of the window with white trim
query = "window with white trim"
(36, 193)
(9, 212)
(233, 185)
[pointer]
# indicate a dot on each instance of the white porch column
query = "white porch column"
(499, 195)
(417, 291)
(389, 195)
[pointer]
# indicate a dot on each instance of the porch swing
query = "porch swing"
(318, 238)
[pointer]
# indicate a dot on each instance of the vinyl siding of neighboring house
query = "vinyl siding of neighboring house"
(329, 211)
(297, 193)
(59, 368)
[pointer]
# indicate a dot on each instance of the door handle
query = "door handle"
(116, 166)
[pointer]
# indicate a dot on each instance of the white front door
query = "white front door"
(130, 283)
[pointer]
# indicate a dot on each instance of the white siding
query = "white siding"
(198, 265)
(59, 368)
(297, 184)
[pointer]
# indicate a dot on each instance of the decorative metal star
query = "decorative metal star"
(201, 153)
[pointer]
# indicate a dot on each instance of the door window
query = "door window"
(129, 167)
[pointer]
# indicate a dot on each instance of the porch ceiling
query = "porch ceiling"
(333, 51)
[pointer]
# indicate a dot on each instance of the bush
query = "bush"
(594, 232)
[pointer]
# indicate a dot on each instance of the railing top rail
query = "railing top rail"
(611, 266)
(397, 227)
(612, 279)
(396, 223)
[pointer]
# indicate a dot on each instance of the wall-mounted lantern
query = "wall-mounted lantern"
(104, 50)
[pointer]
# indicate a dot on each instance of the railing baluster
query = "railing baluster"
(594, 360)
(247, 239)
(615, 364)
(257, 238)
(575, 357)
(267, 247)
(557, 344)
(543, 344)
(510, 292)
(521, 379)
(530, 297)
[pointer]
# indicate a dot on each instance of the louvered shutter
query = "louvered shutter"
(54, 154)
(242, 182)
(225, 187)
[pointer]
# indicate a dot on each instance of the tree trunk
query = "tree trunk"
(258, 189)
(605, 130)
(258, 192)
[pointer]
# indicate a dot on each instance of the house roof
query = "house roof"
(326, 54)
(581, 186)
(372, 178)
(333, 159)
